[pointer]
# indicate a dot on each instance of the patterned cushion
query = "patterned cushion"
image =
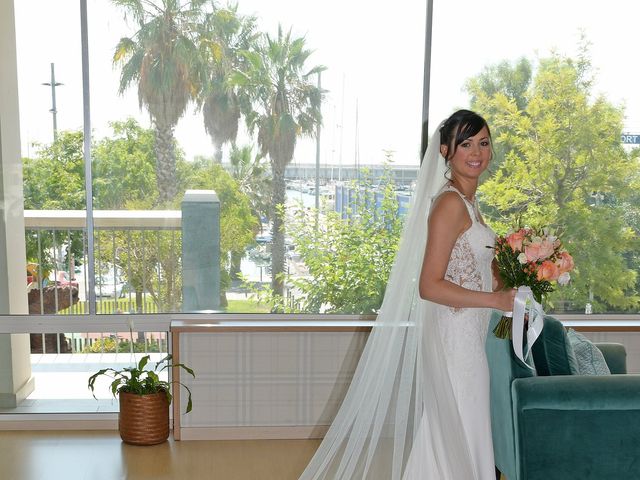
(589, 357)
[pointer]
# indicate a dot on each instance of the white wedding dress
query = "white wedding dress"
(463, 333)
(418, 404)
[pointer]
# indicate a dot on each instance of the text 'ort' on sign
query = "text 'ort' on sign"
(631, 138)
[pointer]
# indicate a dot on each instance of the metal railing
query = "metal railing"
(137, 265)
(137, 261)
(100, 342)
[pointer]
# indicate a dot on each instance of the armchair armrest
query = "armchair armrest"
(615, 355)
(584, 392)
(585, 427)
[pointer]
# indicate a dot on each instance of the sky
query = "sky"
(374, 57)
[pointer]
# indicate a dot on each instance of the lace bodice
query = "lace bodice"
(470, 261)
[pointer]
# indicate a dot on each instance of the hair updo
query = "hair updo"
(459, 127)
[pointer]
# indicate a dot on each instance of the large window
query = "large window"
(557, 84)
(293, 117)
(231, 147)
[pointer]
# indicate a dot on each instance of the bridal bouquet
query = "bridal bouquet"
(534, 258)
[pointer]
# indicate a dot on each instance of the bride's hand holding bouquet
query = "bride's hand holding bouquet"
(533, 258)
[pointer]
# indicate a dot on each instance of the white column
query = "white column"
(16, 382)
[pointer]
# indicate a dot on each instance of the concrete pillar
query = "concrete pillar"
(200, 251)
(16, 382)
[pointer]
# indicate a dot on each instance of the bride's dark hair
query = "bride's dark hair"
(459, 127)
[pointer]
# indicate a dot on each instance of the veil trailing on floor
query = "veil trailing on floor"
(399, 418)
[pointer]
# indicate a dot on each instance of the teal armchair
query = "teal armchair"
(553, 425)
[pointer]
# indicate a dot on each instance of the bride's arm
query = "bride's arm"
(449, 218)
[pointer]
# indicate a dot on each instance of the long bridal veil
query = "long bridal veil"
(399, 418)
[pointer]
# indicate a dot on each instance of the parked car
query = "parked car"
(106, 287)
(264, 239)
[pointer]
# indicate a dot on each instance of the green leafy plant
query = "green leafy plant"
(141, 381)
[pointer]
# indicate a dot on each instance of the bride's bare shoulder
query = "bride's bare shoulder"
(449, 210)
(448, 203)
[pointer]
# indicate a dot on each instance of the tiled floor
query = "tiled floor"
(61, 383)
(53, 405)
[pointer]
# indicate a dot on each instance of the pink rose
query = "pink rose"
(548, 271)
(515, 240)
(565, 262)
(546, 249)
(539, 250)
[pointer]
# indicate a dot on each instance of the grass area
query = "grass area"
(126, 305)
(122, 305)
(246, 306)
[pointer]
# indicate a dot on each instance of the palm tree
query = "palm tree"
(254, 179)
(161, 57)
(224, 34)
(286, 105)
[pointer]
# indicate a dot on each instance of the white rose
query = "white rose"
(564, 278)
(522, 258)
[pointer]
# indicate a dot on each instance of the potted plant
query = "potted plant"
(144, 400)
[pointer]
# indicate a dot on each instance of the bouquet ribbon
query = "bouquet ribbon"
(526, 303)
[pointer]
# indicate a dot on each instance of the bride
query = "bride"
(418, 404)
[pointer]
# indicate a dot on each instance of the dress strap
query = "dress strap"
(472, 207)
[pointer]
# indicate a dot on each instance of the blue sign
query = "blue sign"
(631, 138)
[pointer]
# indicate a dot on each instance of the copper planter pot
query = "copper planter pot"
(143, 419)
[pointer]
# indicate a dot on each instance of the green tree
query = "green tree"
(124, 167)
(54, 180)
(348, 260)
(125, 179)
(510, 80)
(223, 35)
(285, 106)
(564, 166)
(495, 85)
(148, 260)
(163, 60)
(253, 177)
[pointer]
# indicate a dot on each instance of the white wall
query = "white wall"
(15, 367)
